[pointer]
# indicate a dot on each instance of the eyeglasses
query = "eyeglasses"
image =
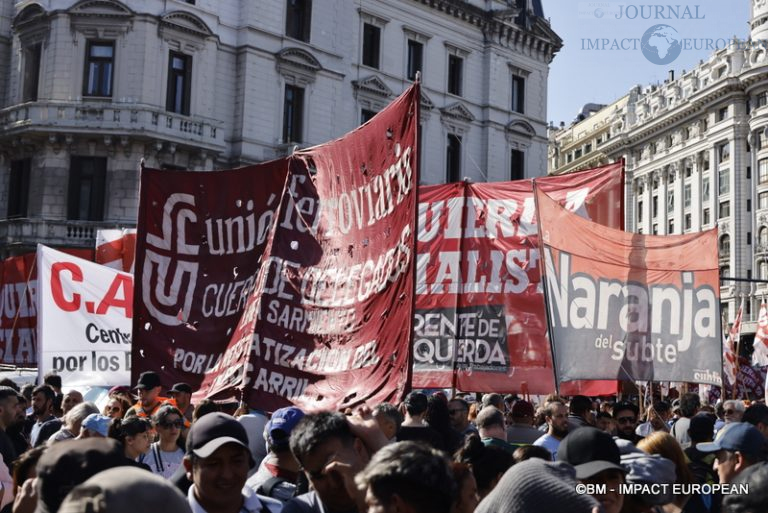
(625, 420)
(174, 424)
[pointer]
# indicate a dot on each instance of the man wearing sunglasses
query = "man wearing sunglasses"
(625, 417)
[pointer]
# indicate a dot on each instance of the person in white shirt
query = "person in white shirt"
(165, 455)
(556, 415)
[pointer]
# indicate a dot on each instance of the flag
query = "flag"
(760, 356)
(730, 358)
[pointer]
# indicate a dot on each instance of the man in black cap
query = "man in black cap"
(148, 389)
(182, 394)
(738, 446)
(217, 462)
(597, 460)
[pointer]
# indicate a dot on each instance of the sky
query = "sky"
(585, 72)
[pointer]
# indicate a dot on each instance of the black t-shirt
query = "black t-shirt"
(422, 434)
(7, 449)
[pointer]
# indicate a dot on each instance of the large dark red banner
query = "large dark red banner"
(325, 319)
(18, 307)
(630, 306)
(480, 322)
(199, 242)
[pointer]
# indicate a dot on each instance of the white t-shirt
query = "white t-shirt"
(550, 443)
(163, 463)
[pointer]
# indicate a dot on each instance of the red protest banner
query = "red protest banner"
(18, 307)
(198, 247)
(328, 324)
(480, 320)
(323, 317)
(629, 306)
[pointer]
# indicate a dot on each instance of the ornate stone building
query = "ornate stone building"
(88, 88)
(696, 152)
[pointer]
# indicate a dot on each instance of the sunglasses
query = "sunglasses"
(174, 424)
(625, 420)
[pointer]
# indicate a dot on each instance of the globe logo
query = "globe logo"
(599, 13)
(661, 44)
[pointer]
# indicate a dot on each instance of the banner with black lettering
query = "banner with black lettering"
(84, 320)
(328, 324)
(630, 306)
(480, 323)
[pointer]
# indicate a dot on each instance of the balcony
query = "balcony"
(27, 233)
(112, 119)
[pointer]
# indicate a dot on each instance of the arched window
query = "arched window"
(725, 246)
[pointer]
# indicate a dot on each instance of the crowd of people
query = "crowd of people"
(428, 454)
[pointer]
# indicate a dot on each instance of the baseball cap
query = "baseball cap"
(590, 451)
(522, 408)
(281, 424)
(98, 423)
(125, 490)
(180, 387)
(214, 430)
(148, 380)
(67, 464)
(738, 436)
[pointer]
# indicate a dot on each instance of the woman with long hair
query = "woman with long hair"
(667, 446)
(165, 456)
(488, 463)
(134, 433)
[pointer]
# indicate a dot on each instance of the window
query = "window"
(87, 176)
(723, 153)
(639, 211)
(749, 172)
(366, 115)
(587, 148)
(705, 216)
(763, 270)
(687, 196)
(670, 201)
(671, 226)
(179, 83)
(723, 181)
(722, 114)
(705, 189)
(762, 171)
(371, 43)
(577, 154)
(99, 61)
(455, 74)
(31, 72)
(518, 94)
(725, 209)
(293, 114)
(763, 236)
(762, 99)
(762, 200)
(688, 171)
(415, 58)
(688, 223)
(655, 229)
(298, 19)
(725, 246)
(517, 165)
(453, 158)
(18, 188)
(655, 206)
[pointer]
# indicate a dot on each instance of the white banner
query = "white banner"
(84, 320)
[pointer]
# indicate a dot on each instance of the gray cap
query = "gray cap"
(125, 490)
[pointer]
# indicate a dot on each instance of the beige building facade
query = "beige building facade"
(89, 88)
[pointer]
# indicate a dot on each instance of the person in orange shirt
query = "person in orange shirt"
(148, 389)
